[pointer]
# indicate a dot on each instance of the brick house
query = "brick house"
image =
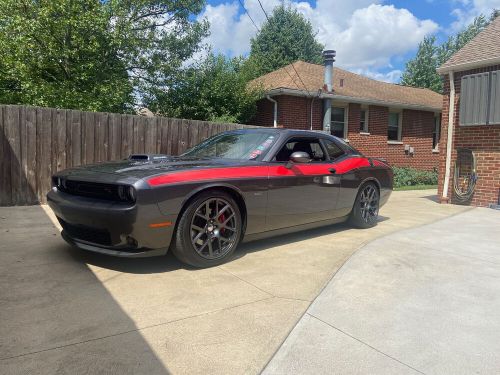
(398, 123)
(471, 103)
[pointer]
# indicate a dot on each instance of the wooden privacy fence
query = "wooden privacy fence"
(36, 142)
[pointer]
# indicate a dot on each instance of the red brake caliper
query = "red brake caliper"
(222, 217)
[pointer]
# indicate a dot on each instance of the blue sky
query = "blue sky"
(374, 38)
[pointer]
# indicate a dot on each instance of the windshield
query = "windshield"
(243, 146)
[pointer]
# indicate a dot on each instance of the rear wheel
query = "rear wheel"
(365, 211)
(209, 230)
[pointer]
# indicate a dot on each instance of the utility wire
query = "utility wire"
(298, 75)
(286, 70)
(248, 14)
(261, 7)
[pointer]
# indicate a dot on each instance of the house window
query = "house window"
(363, 121)
(480, 99)
(338, 128)
(394, 128)
(436, 134)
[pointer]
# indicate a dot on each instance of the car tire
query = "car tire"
(209, 230)
(364, 213)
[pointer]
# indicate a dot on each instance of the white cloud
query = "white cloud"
(392, 76)
(469, 9)
(365, 33)
(375, 34)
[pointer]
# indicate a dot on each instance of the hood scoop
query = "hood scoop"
(147, 157)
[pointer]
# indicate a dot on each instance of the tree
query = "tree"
(420, 71)
(214, 89)
(285, 38)
(92, 54)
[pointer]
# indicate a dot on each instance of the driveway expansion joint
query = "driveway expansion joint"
(364, 343)
(138, 329)
(245, 281)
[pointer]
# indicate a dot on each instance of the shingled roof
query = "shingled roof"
(481, 51)
(348, 86)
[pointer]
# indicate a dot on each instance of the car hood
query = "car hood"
(139, 169)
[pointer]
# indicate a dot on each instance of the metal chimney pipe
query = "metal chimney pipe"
(329, 58)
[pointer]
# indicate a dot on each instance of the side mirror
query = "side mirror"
(298, 158)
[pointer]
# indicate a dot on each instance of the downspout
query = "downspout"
(312, 104)
(275, 111)
(449, 140)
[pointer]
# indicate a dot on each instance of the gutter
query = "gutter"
(449, 140)
(352, 99)
(275, 111)
(469, 65)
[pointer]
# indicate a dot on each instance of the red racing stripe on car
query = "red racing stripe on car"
(348, 165)
(209, 174)
(379, 163)
(257, 172)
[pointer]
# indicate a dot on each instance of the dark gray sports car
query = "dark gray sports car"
(237, 185)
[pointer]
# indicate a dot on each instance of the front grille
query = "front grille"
(84, 233)
(96, 190)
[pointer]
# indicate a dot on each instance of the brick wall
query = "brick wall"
(483, 140)
(417, 128)
(294, 112)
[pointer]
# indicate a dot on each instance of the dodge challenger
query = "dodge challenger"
(235, 186)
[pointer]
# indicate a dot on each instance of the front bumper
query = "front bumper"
(112, 228)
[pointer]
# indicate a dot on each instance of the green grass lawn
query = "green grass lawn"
(416, 187)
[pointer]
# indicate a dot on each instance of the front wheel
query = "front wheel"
(365, 211)
(209, 230)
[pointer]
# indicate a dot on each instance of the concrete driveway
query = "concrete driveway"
(65, 311)
(424, 300)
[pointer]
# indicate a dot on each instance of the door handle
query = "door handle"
(332, 170)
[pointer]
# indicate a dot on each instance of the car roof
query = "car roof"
(284, 132)
(280, 131)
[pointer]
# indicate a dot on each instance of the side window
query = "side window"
(317, 152)
(332, 149)
(310, 145)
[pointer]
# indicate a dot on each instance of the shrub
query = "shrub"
(410, 177)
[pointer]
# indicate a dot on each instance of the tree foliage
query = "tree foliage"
(420, 71)
(215, 89)
(286, 37)
(92, 54)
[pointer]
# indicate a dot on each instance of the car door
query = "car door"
(301, 193)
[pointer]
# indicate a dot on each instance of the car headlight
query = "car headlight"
(126, 193)
(132, 193)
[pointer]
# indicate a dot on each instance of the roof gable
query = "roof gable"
(481, 51)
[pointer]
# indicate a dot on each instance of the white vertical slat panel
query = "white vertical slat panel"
(474, 99)
(494, 115)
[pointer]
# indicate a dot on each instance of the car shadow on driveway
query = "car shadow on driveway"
(301, 235)
(159, 264)
(169, 262)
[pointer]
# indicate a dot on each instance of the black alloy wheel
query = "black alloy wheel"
(209, 230)
(213, 228)
(365, 211)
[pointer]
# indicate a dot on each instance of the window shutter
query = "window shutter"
(474, 99)
(494, 115)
